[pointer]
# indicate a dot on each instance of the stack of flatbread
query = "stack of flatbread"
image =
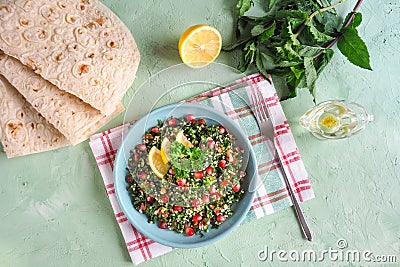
(64, 68)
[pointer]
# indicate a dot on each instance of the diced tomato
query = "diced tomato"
(236, 187)
(172, 122)
(201, 121)
(210, 170)
(199, 174)
(211, 144)
(189, 231)
(222, 163)
(196, 218)
(181, 182)
(205, 198)
(141, 147)
(221, 218)
(190, 117)
(178, 208)
(224, 183)
(162, 225)
(212, 190)
(196, 202)
(128, 179)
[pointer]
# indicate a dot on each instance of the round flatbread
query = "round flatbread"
(66, 112)
(80, 46)
(22, 129)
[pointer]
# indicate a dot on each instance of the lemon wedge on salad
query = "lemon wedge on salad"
(156, 162)
(181, 138)
(165, 147)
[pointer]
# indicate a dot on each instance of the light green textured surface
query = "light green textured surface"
(54, 210)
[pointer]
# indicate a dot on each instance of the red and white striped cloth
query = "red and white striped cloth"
(270, 197)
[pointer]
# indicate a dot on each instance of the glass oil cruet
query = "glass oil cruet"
(335, 119)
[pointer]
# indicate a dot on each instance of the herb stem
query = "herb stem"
(323, 10)
(319, 11)
(346, 24)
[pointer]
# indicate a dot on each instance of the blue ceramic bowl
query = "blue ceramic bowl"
(134, 137)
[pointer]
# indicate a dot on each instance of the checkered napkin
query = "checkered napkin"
(271, 194)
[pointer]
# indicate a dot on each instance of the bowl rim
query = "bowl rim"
(139, 227)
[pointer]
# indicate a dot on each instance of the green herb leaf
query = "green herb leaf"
(309, 51)
(268, 33)
(257, 30)
(286, 42)
(319, 38)
(260, 64)
(310, 74)
(323, 60)
(243, 6)
(271, 4)
(353, 48)
(355, 22)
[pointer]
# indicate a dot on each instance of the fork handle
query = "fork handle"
(299, 212)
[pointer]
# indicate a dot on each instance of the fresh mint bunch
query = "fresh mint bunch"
(294, 40)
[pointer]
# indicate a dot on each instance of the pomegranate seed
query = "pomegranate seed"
(189, 231)
(196, 202)
(199, 174)
(221, 129)
(181, 182)
(205, 198)
(190, 117)
(211, 144)
(201, 121)
(213, 190)
(171, 171)
(217, 211)
(149, 199)
(172, 122)
(236, 188)
(143, 175)
(221, 218)
(222, 163)
(128, 179)
(178, 208)
(196, 218)
(210, 170)
(164, 198)
(136, 156)
(162, 225)
(154, 130)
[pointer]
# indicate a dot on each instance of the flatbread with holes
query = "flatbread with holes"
(66, 112)
(80, 46)
(22, 129)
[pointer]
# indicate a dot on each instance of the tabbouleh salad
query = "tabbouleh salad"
(186, 175)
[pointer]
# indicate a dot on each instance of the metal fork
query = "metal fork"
(267, 129)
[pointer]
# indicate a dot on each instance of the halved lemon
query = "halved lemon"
(181, 138)
(156, 163)
(199, 45)
(165, 147)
